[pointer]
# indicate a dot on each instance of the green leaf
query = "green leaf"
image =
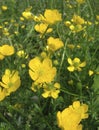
(95, 88)
(95, 85)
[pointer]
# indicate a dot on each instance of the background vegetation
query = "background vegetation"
(28, 110)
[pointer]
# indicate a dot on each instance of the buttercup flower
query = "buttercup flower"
(22, 18)
(41, 71)
(6, 31)
(76, 28)
(27, 15)
(71, 46)
(78, 20)
(22, 54)
(76, 24)
(42, 28)
(10, 81)
(75, 64)
(4, 7)
(54, 44)
(70, 118)
(51, 90)
(51, 16)
(90, 72)
(67, 23)
(97, 17)
(6, 50)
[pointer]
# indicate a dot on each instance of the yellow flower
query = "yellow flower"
(22, 54)
(42, 28)
(43, 55)
(76, 28)
(80, 1)
(1, 27)
(21, 18)
(2, 93)
(10, 81)
(6, 50)
(67, 23)
(56, 62)
(70, 82)
(51, 16)
(51, 90)
(75, 64)
(90, 72)
(4, 7)
(23, 65)
(97, 17)
(71, 46)
(27, 15)
(54, 44)
(37, 18)
(5, 31)
(6, 23)
(41, 71)
(78, 20)
(70, 118)
(78, 46)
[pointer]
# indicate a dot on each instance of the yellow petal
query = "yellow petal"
(76, 60)
(76, 104)
(83, 64)
(70, 61)
(46, 94)
(54, 94)
(71, 68)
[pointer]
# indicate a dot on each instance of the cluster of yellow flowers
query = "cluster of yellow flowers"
(42, 68)
(76, 24)
(70, 118)
(10, 80)
(50, 17)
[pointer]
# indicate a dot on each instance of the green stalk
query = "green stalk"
(69, 93)
(91, 10)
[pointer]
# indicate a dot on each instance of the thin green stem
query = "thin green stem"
(40, 110)
(44, 32)
(69, 93)
(91, 10)
(63, 55)
(29, 34)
